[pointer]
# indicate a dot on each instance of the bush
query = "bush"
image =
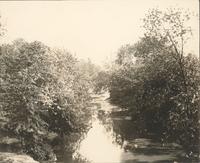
(153, 89)
(42, 91)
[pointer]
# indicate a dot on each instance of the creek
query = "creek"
(118, 140)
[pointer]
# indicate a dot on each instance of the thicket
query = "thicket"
(158, 82)
(43, 92)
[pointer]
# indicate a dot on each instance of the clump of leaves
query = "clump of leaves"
(42, 91)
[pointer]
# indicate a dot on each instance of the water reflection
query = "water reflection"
(119, 140)
(103, 145)
(99, 145)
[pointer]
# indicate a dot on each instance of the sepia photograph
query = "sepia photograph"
(99, 81)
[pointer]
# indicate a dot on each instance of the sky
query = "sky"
(93, 29)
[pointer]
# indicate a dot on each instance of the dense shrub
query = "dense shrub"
(43, 91)
(158, 82)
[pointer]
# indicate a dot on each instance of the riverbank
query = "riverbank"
(9, 151)
(114, 137)
(15, 158)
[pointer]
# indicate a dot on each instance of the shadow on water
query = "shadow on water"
(116, 139)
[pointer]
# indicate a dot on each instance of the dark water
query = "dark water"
(117, 140)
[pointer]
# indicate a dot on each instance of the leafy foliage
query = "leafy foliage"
(42, 91)
(158, 82)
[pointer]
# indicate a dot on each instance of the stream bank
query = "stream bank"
(117, 139)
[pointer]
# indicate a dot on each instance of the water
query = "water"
(99, 146)
(117, 140)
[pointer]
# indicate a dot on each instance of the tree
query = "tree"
(172, 27)
(43, 92)
(160, 85)
(19, 93)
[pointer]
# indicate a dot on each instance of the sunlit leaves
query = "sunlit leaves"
(42, 90)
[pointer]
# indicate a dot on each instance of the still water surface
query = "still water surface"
(114, 140)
